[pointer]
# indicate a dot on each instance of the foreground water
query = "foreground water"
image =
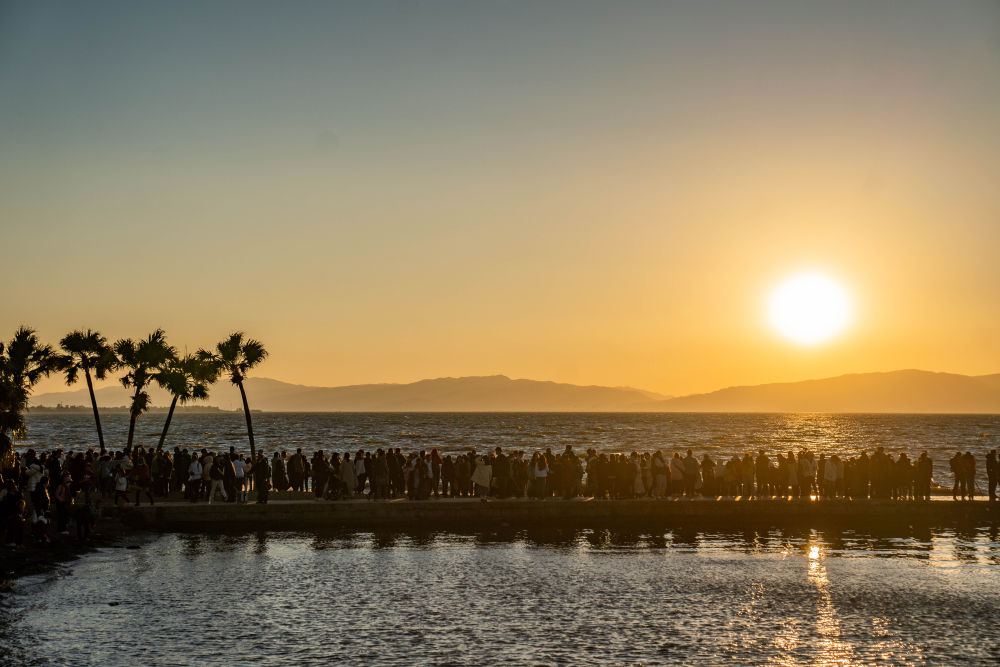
(576, 597)
(716, 434)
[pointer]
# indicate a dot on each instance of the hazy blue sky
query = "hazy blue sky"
(589, 192)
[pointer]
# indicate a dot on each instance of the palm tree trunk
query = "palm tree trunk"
(246, 411)
(166, 425)
(131, 420)
(93, 402)
(131, 431)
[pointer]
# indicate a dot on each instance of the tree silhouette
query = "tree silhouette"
(142, 359)
(88, 351)
(23, 362)
(236, 356)
(186, 378)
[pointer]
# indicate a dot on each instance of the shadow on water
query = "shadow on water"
(965, 544)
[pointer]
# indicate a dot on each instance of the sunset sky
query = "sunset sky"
(596, 193)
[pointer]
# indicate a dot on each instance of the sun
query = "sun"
(809, 308)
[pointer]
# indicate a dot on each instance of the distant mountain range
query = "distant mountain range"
(897, 391)
(495, 393)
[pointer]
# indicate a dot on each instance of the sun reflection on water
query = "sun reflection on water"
(832, 651)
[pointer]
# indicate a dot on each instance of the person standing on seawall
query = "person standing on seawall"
(261, 477)
(195, 470)
(922, 474)
(347, 474)
(761, 472)
(207, 463)
(991, 474)
(970, 474)
(955, 463)
(692, 470)
(239, 470)
(360, 473)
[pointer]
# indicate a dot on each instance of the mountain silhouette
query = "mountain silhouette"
(905, 391)
(897, 391)
(496, 393)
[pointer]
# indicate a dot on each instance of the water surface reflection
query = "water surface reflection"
(791, 596)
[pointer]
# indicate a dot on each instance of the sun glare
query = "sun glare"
(809, 308)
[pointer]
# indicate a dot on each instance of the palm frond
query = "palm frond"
(23, 362)
(253, 353)
(236, 355)
(140, 403)
(106, 362)
(87, 350)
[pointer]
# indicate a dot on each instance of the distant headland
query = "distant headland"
(59, 408)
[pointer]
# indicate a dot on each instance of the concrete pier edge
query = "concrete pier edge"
(583, 512)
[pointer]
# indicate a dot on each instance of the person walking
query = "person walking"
(215, 478)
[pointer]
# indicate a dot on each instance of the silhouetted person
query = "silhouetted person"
(957, 465)
(746, 476)
(141, 479)
(320, 474)
(296, 470)
(261, 477)
(969, 470)
(924, 471)
(881, 464)
(83, 515)
(501, 474)
(762, 470)
(692, 470)
(708, 487)
(863, 475)
(992, 471)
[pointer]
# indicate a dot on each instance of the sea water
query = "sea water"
(784, 597)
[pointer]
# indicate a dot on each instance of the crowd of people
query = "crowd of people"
(40, 488)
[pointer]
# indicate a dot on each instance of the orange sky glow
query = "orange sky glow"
(576, 192)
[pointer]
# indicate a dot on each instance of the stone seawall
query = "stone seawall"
(433, 514)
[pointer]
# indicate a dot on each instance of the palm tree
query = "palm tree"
(88, 351)
(186, 378)
(23, 362)
(141, 358)
(236, 356)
